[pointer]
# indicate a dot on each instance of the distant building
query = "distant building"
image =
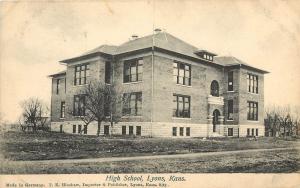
(175, 89)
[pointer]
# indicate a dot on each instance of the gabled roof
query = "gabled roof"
(164, 41)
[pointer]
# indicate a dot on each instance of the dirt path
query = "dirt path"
(152, 157)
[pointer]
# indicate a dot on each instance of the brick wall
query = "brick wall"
(163, 90)
(246, 96)
(165, 87)
(231, 95)
(56, 99)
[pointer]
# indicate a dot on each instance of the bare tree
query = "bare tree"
(100, 104)
(282, 121)
(34, 114)
(271, 121)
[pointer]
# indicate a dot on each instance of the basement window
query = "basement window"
(230, 131)
(174, 131)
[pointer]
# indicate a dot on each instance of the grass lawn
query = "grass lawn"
(256, 162)
(45, 146)
(17, 146)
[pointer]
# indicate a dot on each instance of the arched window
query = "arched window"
(214, 88)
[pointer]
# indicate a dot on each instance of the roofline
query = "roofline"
(87, 56)
(199, 60)
(248, 67)
(57, 74)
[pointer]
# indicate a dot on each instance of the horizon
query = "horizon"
(38, 35)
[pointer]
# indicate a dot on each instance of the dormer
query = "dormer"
(205, 54)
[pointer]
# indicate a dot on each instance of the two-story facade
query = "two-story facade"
(175, 90)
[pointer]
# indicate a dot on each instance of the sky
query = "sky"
(35, 36)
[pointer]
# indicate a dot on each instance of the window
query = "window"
(182, 73)
(132, 104)
(188, 131)
(208, 57)
(256, 131)
(74, 128)
(230, 81)
(214, 88)
(106, 129)
(252, 132)
(123, 130)
(107, 72)
(230, 110)
(181, 106)
(252, 83)
(230, 131)
(181, 131)
(130, 130)
(174, 131)
(57, 86)
(61, 128)
(79, 105)
(138, 130)
(81, 74)
(133, 70)
(252, 111)
(85, 129)
(62, 109)
(248, 132)
(79, 128)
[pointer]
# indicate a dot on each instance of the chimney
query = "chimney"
(133, 37)
(157, 30)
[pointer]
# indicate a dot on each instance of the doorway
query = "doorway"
(216, 115)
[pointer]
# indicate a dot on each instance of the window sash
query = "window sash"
(182, 73)
(230, 131)
(108, 72)
(181, 131)
(62, 109)
(188, 131)
(123, 130)
(214, 90)
(252, 83)
(57, 86)
(174, 131)
(230, 110)
(79, 105)
(133, 70)
(138, 130)
(230, 81)
(181, 106)
(132, 104)
(130, 130)
(79, 128)
(74, 128)
(81, 74)
(252, 111)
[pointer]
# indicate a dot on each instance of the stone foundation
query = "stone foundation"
(159, 129)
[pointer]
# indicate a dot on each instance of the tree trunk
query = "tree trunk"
(99, 126)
